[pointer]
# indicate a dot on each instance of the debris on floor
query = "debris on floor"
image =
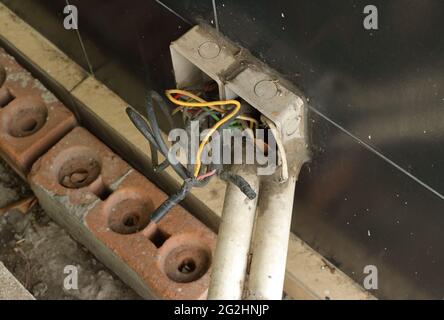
(37, 251)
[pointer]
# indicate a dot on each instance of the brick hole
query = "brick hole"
(104, 192)
(79, 172)
(129, 216)
(187, 263)
(28, 117)
(159, 237)
(131, 220)
(5, 98)
(28, 125)
(187, 266)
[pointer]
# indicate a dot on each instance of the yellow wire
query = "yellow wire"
(251, 120)
(203, 104)
(200, 101)
(179, 108)
(169, 94)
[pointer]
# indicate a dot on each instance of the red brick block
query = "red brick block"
(174, 258)
(169, 261)
(31, 118)
(79, 169)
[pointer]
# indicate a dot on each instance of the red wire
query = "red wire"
(206, 175)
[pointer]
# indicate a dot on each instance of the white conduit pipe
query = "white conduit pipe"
(270, 243)
(234, 239)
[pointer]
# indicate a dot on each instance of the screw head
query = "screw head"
(266, 89)
(209, 50)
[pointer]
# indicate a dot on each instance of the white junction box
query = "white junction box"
(203, 54)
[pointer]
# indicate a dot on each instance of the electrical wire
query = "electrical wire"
(250, 119)
(151, 131)
(240, 182)
(199, 118)
(172, 200)
(178, 167)
(210, 133)
(163, 107)
(206, 175)
(141, 125)
(144, 129)
(262, 145)
(184, 93)
(280, 145)
(203, 104)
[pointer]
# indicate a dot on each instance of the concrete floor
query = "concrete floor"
(11, 288)
(36, 251)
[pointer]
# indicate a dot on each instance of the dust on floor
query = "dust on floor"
(36, 251)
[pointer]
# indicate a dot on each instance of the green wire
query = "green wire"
(235, 124)
(212, 114)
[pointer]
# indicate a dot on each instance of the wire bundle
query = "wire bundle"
(193, 177)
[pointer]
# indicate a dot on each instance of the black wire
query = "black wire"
(162, 166)
(178, 167)
(142, 126)
(188, 131)
(172, 200)
(240, 182)
(153, 134)
(211, 167)
(163, 107)
(237, 180)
